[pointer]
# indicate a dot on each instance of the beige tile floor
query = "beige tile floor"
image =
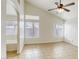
(59, 50)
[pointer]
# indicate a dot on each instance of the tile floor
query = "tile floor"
(59, 50)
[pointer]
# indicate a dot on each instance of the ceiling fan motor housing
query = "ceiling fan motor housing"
(60, 6)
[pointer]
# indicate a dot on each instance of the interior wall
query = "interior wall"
(71, 31)
(11, 38)
(47, 24)
(3, 18)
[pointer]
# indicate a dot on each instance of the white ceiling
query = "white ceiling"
(48, 4)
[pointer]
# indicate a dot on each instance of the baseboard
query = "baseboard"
(43, 42)
(68, 41)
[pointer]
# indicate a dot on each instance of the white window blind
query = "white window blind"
(11, 28)
(31, 29)
(31, 26)
(60, 30)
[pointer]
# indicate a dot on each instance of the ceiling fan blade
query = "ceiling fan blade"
(66, 10)
(70, 4)
(56, 3)
(52, 9)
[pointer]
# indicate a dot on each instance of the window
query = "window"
(31, 29)
(36, 29)
(59, 30)
(11, 28)
(31, 26)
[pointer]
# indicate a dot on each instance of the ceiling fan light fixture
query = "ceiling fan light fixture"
(61, 7)
(60, 10)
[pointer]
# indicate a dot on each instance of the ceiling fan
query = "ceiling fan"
(61, 7)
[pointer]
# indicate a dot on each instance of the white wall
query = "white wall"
(9, 8)
(11, 40)
(3, 18)
(47, 25)
(16, 41)
(71, 31)
(11, 37)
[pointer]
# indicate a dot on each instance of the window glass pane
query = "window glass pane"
(59, 30)
(31, 29)
(36, 29)
(31, 26)
(28, 29)
(11, 28)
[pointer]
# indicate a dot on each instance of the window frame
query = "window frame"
(59, 28)
(14, 30)
(33, 21)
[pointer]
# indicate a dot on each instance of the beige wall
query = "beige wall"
(18, 39)
(71, 31)
(10, 38)
(11, 18)
(47, 25)
(3, 18)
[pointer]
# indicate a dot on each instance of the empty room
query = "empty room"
(39, 29)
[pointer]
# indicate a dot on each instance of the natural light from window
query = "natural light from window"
(31, 26)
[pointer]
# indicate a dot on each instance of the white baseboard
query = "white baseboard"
(43, 42)
(70, 42)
